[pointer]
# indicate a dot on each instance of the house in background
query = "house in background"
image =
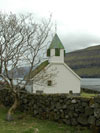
(53, 75)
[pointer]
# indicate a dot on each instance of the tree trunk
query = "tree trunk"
(12, 109)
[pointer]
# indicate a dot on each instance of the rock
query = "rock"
(74, 122)
(84, 100)
(97, 99)
(70, 114)
(55, 110)
(64, 106)
(71, 107)
(35, 106)
(71, 110)
(62, 115)
(35, 112)
(52, 107)
(92, 106)
(67, 121)
(66, 116)
(84, 104)
(58, 106)
(98, 122)
(61, 101)
(68, 102)
(79, 109)
(97, 105)
(73, 101)
(89, 111)
(97, 113)
(75, 114)
(82, 119)
(91, 120)
(61, 110)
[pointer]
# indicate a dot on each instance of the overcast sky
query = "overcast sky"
(78, 21)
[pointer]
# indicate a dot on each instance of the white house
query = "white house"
(53, 75)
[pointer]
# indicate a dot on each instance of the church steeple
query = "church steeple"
(56, 50)
(56, 43)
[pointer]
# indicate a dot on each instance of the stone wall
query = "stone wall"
(58, 107)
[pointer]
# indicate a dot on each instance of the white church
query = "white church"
(54, 76)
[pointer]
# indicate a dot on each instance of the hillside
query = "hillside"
(19, 72)
(85, 62)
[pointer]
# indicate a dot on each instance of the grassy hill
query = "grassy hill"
(85, 62)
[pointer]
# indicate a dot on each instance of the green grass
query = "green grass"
(87, 95)
(28, 124)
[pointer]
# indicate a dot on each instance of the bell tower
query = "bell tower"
(56, 51)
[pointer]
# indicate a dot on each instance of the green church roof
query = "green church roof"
(37, 70)
(56, 43)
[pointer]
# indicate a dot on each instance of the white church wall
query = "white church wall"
(62, 82)
(56, 59)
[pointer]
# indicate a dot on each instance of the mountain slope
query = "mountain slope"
(19, 72)
(85, 62)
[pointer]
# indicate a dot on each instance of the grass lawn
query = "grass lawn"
(28, 124)
(88, 95)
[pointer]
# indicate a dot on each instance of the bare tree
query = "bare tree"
(21, 43)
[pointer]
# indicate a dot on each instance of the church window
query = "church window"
(49, 83)
(48, 52)
(57, 52)
(71, 92)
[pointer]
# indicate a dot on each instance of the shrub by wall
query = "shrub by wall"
(58, 107)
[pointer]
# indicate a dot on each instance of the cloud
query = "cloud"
(75, 41)
(78, 22)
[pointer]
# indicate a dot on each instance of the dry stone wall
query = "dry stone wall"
(62, 108)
